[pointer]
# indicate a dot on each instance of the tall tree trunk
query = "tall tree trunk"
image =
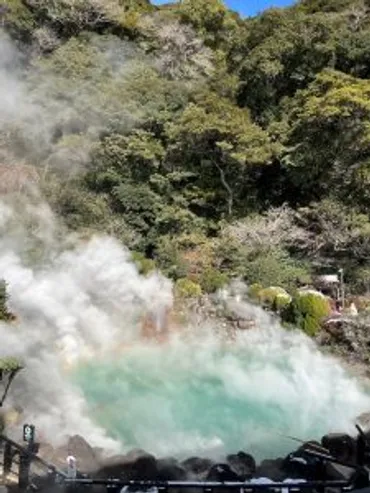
(230, 199)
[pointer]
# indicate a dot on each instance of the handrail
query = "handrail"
(358, 479)
(247, 485)
(33, 456)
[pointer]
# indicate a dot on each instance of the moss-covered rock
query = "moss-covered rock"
(254, 291)
(274, 296)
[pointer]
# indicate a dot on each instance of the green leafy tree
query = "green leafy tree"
(335, 109)
(220, 143)
(209, 17)
(284, 53)
(313, 6)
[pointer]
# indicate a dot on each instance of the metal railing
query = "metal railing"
(22, 466)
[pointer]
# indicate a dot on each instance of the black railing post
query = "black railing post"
(24, 471)
(7, 460)
(25, 457)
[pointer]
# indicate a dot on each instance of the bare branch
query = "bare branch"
(181, 53)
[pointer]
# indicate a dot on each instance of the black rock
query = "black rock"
(242, 464)
(136, 465)
(86, 458)
(170, 470)
(300, 465)
(272, 469)
(340, 445)
(197, 465)
(222, 472)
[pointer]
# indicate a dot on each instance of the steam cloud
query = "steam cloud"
(81, 302)
(48, 119)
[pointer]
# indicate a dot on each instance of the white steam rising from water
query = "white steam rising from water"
(81, 301)
(200, 395)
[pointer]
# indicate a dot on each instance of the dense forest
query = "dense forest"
(212, 146)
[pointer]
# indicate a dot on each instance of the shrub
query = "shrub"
(211, 280)
(307, 310)
(254, 290)
(282, 300)
(18, 20)
(272, 267)
(169, 259)
(186, 255)
(274, 297)
(268, 295)
(144, 265)
(186, 288)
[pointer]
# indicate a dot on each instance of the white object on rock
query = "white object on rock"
(72, 469)
(353, 310)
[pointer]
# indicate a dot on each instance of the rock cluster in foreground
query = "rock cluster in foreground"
(241, 466)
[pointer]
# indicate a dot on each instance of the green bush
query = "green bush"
(144, 265)
(282, 300)
(212, 280)
(169, 259)
(307, 310)
(186, 288)
(254, 290)
(18, 20)
(272, 267)
(269, 295)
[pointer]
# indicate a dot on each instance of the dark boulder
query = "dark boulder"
(170, 470)
(197, 466)
(301, 465)
(272, 469)
(86, 458)
(336, 472)
(242, 464)
(222, 472)
(340, 446)
(136, 465)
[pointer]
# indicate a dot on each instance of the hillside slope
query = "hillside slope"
(212, 146)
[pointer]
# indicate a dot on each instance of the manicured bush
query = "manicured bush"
(307, 310)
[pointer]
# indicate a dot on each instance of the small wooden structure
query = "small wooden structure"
(329, 285)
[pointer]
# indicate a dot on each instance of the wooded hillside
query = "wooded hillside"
(210, 145)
